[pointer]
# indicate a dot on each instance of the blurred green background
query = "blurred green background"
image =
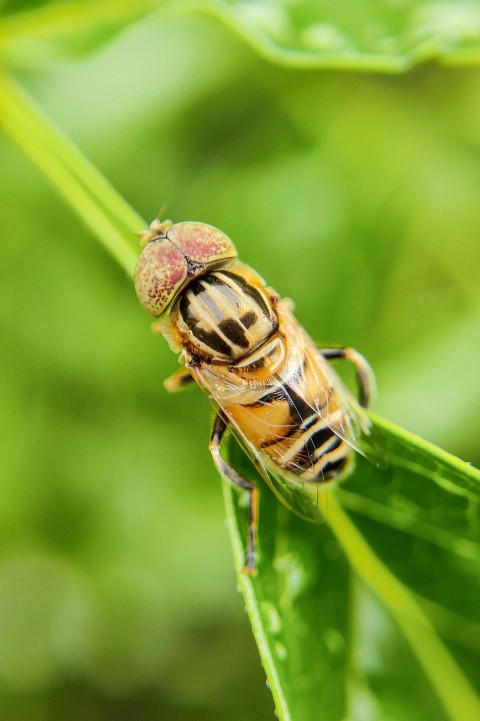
(355, 195)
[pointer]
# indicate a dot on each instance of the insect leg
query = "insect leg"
(231, 476)
(178, 380)
(365, 377)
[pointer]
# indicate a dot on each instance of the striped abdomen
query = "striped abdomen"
(292, 433)
(223, 316)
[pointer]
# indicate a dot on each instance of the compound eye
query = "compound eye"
(160, 274)
(202, 243)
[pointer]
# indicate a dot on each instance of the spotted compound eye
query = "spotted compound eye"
(202, 243)
(161, 271)
(174, 255)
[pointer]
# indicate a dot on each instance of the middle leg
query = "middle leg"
(232, 477)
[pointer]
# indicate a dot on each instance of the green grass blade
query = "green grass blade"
(97, 203)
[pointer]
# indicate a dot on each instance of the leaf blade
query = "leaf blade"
(420, 619)
(353, 36)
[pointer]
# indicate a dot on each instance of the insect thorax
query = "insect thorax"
(225, 314)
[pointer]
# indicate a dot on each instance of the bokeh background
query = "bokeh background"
(356, 195)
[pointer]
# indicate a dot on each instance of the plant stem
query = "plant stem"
(97, 203)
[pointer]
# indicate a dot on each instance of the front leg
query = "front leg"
(232, 477)
(365, 377)
(178, 380)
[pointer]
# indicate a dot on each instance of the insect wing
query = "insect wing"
(327, 393)
(354, 426)
(308, 500)
(341, 413)
(305, 499)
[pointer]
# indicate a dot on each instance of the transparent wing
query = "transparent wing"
(305, 499)
(342, 413)
(308, 500)
(316, 380)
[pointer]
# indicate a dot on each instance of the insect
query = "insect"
(269, 382)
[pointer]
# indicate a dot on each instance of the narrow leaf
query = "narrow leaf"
(99, 206)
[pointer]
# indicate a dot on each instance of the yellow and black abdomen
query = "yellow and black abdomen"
(290, 431)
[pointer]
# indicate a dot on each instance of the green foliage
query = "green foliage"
(354, 616)
(356, 196)
(387, 37)
(353, 35)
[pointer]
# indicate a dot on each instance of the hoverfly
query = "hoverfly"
(269, 382)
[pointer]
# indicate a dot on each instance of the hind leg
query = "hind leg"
(364, 374)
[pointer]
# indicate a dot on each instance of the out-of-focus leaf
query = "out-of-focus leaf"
(375, 613)
(387, 37)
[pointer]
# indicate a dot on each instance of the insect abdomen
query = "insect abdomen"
(294, 435)
(315, 453)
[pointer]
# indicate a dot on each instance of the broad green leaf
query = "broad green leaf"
(387, 37)
(375, 613)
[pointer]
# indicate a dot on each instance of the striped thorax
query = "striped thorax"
(224, 317)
